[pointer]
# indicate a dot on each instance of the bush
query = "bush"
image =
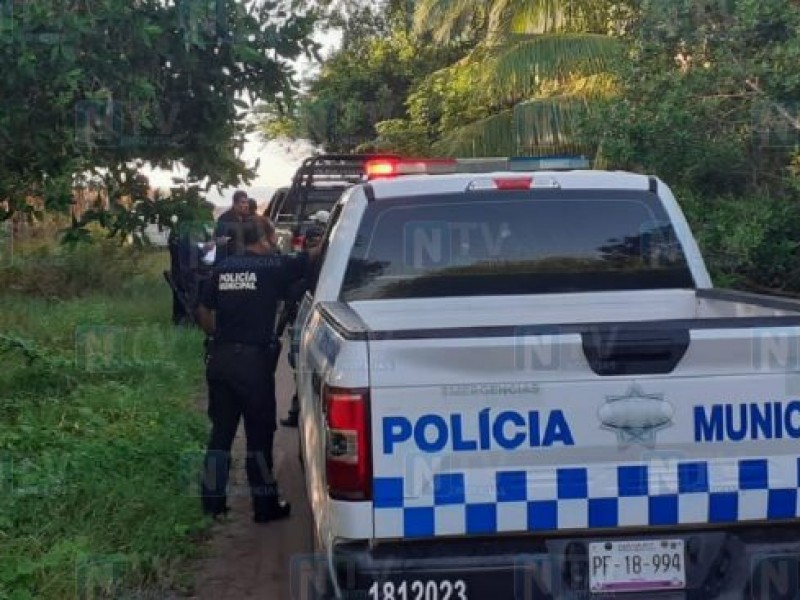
(747, 241)
(57, 271)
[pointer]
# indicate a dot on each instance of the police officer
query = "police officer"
(229, 227)
(186, 233)
(313, 239)
(238, 310)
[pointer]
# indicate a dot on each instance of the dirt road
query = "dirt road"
(248, 561)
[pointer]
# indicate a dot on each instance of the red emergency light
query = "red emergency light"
(386, 168)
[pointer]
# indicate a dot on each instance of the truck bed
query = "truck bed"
(576, 309)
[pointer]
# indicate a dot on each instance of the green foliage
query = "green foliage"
(94, 85)
(515, 92)
(131, 210)
(460, 83)
(399, 136)
(363, 83)
(447, 99)
(99, 442)
(691, 129)
(708, 101)
(748, 240)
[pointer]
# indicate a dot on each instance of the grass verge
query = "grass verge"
(99, 435)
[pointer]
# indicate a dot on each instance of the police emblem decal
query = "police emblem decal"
(635, 416)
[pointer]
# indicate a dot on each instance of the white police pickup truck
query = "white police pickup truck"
(523, 385)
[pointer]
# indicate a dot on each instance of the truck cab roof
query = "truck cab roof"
(411, 185)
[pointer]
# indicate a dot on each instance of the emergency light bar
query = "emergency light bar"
(393, 167)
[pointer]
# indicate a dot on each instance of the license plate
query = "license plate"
(637, 566)
(419, 589)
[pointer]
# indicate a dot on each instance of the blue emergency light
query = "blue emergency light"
(548, 163)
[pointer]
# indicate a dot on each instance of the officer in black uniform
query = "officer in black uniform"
(297, 290)
(187, 269)
(228, 230)
(243, 295)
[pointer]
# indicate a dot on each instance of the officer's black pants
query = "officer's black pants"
(240, 384)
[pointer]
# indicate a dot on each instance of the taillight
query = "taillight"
(348, 461)
(297, 243)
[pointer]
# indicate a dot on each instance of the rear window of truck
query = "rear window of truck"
(317, 199)
(501, 242)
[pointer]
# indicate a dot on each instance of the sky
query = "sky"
(278, 160)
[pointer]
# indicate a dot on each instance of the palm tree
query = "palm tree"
(539, 62)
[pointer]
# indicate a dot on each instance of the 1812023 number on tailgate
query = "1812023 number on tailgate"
(419, 590)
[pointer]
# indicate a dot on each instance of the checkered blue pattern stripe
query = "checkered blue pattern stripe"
(574, 497)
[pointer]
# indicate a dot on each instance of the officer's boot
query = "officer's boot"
(291, 419)
(270, 506)
(212, 490)
(294, 412)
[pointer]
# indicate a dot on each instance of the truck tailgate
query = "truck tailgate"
(477, 434)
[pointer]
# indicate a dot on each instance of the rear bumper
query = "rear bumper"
(753, 563)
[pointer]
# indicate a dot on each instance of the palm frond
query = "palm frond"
(444, 18)
(548, 125)
(491, 136)
(520, 65)
(537, 127)
(510, 16)
(589, 87)
(550, 16)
